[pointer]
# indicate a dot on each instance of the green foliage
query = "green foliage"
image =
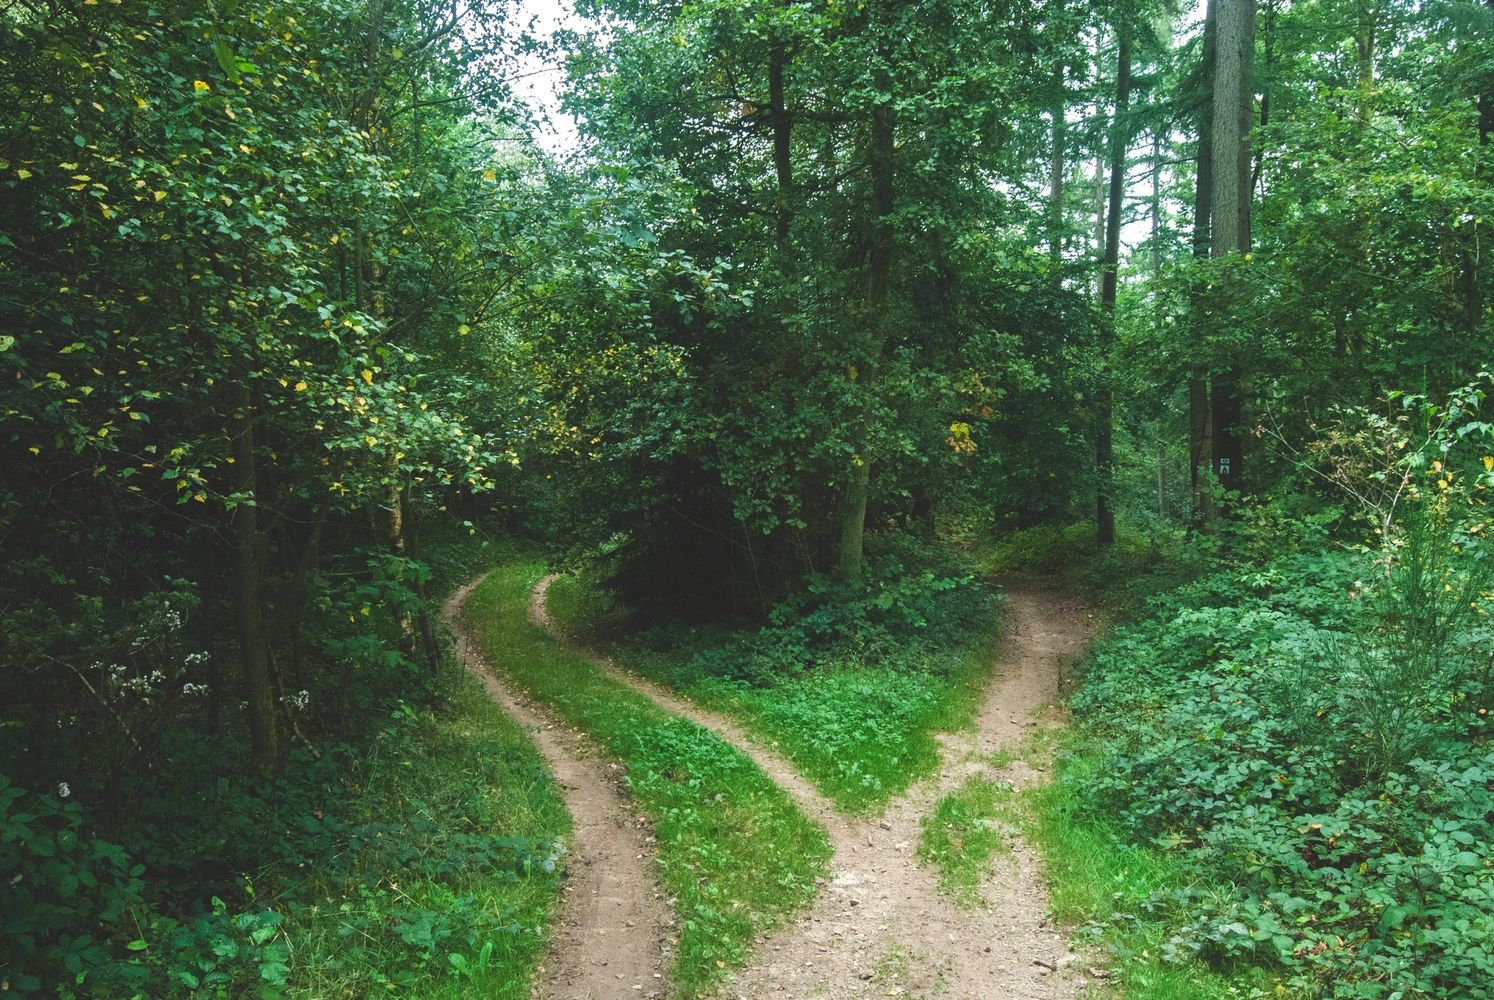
(429, 863)
(1124, 897)
(1311, 734)
(735, 853)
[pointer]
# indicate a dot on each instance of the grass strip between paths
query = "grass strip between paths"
(734, 851)
(966, 830)
(862, 733)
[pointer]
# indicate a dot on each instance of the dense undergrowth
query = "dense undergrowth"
(410, 847)
(1286, 763)
(851, 681)
(735, 853)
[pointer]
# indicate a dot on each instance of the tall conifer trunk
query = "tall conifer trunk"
(1058, 110)
(1200, 427)
(1109, 282)
(1229, 229)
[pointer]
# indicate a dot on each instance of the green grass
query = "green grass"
(967, 829)
(733, 850)
(862, 733)
(403, 922)
(1116, 892)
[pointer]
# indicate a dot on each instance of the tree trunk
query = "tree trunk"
(782, 164)
(1473, 280)
(254, 650)
(1109, 286)
(879, 276)
(430, 646)
(1059, 110)
(1200, 424)
(1229, 230)
(1200, 430)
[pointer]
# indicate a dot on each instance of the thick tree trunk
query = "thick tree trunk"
(1109, 286)
(879, 275)
(1229, 231)
(254, 650)
(1234, 115)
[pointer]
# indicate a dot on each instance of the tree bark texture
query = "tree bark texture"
(1200, 429)
(1109, 286)
(1234, 117)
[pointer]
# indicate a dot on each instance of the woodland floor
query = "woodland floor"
(880, 925)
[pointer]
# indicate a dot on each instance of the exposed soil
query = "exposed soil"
(612, 936)
(880, 927)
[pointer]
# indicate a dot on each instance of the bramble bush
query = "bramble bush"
(1313, 734)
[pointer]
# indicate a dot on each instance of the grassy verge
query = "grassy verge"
(453, 880)
(966, 830)
(863, 732)
(1126, 899)
(734, 851)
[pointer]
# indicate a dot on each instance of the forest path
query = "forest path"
(880, 927)
(613, 928)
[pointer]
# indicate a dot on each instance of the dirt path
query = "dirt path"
(611, 939)
(880, 927)
(775, 766)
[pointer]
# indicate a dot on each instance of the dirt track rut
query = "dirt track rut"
(611, 938)
(880, 927)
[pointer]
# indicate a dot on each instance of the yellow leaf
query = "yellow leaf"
(464, 329)
(68, 166)
(1489, 463)
(141, 102)
(300, 386)
(200, 86)
(96, 105)
(371, 441)
(490, 175)
(23, 173)
(368, 376)
(160, 195)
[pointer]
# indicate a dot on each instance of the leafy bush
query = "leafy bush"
(1315, 733)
